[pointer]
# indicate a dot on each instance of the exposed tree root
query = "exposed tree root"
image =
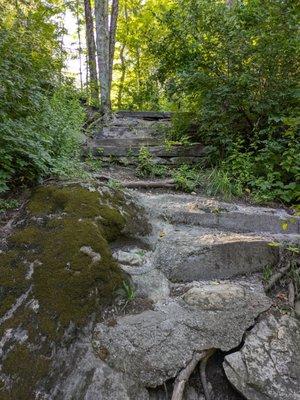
(184, 375)
(203, 373)
(278, 275)
(291, 288)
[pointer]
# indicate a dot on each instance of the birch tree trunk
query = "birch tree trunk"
(102, 42)
(112, 37)
(91, 50)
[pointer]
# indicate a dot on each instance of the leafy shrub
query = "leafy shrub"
(236, 70)
(36, 145)
(186, 178)
(40, 116)
(146, 165)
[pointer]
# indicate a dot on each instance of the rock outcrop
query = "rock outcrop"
(56, 273)
(108, 295)
(268, 365)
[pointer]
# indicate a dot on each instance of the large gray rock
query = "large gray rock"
(153, 346)
(188, 254)
(87, 377)
(268, 365)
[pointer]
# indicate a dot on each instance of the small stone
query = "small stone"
(133, 257)
(214, 296)
(89, 252)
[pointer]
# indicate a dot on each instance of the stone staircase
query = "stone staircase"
(201, 238)
(122, 138)
(201, 265)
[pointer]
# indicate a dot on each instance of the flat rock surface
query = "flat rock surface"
(268, 365)
(186, 254)
(211, 213)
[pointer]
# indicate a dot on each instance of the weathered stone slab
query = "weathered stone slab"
(268, 365)
(130, 142)
(123, 150)
(189, 254)
(211, 213)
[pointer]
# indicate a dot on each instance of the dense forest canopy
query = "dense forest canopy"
(227, 69)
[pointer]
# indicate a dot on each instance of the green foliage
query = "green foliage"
(267, 273)
(114, 184)
(40, 115)
(93, 163)
(186, 178)
(45, 142)
(129, 291)
(146, 165)
(136, 84)
(217, 182)
(235, 69)
(8, 204)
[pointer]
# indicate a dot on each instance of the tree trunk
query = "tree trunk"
(102, 41)
(123, 60)
(122, 79)
(91, 50)
(112, 37)
(79, 44)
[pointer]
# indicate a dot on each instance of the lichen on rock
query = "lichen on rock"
(64, 286)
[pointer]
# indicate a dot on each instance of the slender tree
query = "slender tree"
(112, 36)
(79, 42)
(91, 52)
(122, 58)
(102, 42)
(105, 41)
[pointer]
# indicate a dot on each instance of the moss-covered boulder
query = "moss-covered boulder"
(56, 275)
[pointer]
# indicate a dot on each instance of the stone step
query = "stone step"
(211, 213)
(190, 254)
(133, 130)
(171, 161)
(130, 142)
(123, 150)
(146, 115)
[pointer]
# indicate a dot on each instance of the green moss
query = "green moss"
(68, 284)
(25, 368)
(12, 280)
(73, 200)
